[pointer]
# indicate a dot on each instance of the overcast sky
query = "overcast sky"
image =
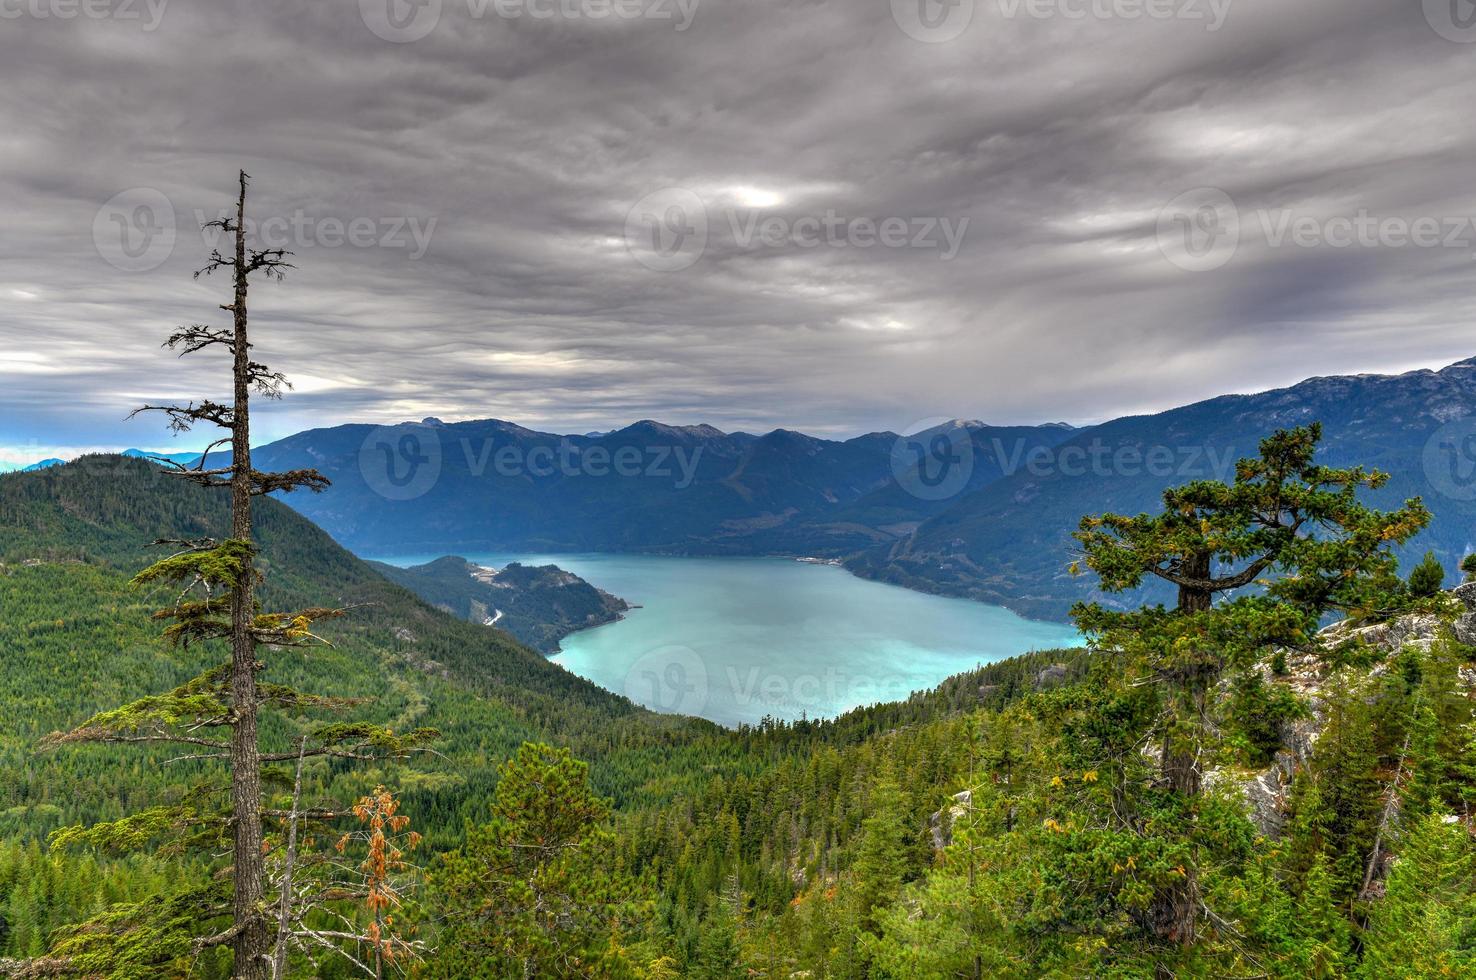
(833, 216)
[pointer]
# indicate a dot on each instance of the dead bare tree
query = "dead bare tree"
(216, 583)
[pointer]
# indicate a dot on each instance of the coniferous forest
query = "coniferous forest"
(700, 490)
(1216, 788)
(1014, 822)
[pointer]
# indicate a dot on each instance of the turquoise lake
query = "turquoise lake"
(735, 639)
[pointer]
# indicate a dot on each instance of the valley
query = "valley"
(962, 508)
(916, 490)
(736, 640)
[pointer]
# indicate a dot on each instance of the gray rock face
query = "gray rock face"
(1054, 674)
(1267, 792)
(940, 824)
(1465, 624)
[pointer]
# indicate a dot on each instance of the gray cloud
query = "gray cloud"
(1053, 142)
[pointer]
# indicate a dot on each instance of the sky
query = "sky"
(837, 216)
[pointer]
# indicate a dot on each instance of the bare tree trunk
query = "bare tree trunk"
(251, 943)
(1391, 810)
(284, 908)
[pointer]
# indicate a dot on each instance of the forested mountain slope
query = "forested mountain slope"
(540, 605)
(75, 637)
(1010, 541)
(963, 508)
(492, 485)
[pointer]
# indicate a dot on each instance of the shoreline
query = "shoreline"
(1016, 605)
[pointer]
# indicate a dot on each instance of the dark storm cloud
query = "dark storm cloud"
(461, 205)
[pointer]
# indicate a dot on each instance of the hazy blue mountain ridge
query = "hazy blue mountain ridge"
(963, 508)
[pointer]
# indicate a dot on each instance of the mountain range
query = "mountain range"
(963, 508)
(130, 453)
(1010, 541)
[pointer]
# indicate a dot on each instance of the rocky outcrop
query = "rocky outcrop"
(940, 824)
(539, 605)
(1267, 791)
(1054, 674)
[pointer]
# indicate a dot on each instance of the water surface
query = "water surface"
(735, 639)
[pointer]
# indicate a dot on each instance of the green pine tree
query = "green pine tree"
(1285, 515)
(536, 892)
(1427, 578)
(1422, 927)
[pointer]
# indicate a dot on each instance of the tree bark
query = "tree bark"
(251, 944)
(1175, 909)
(284, 907)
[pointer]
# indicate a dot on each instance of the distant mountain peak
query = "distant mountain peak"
(702, 431)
